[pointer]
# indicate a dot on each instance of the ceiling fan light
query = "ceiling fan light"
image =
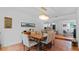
(43, 17)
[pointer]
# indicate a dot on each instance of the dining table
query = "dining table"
(38, 38)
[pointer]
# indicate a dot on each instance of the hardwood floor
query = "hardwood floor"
(59, 45)
(17, 47)
(63, 45)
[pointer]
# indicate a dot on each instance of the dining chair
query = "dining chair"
(27, 43)
(50, 38)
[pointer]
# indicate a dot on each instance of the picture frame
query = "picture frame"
(25, 24)
(7, 22)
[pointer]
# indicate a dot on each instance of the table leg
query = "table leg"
(39, 46)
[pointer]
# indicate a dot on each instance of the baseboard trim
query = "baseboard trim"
(10, 44)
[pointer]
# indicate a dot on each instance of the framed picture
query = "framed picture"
(7, 22)
(25, 24)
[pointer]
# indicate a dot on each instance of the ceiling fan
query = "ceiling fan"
(43, 14)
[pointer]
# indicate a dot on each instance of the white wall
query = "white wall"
(10, 36)
(77, 27)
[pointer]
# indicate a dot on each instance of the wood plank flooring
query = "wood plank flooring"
(59, 45)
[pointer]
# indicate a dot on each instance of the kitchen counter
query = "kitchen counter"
(64, 38)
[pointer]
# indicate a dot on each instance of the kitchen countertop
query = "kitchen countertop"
(64, 37)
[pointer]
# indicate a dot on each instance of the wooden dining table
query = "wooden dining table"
(38, 38)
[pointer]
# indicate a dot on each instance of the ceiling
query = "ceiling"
(34, 11)
(61, 11)
(51, 11)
